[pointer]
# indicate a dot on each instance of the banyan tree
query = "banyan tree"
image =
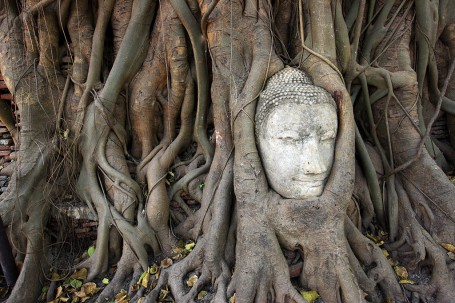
(232, 150)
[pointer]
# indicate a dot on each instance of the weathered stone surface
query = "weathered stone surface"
(296, 128)
(78, 212)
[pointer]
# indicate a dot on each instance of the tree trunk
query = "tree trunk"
(144, 111)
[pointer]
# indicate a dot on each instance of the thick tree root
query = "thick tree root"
(120, 183)
(25, 209)
(160, 65)
(368, 254)
(194, 263)
(261, 274)
(417, 249)
(127, 266)
(441, 286)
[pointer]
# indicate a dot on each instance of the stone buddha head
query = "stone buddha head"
(296, 128)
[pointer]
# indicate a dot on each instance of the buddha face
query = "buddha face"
(296, 143)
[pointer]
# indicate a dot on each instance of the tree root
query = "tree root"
(366, 252)
(338, 260)
(322, 244)
(338, 286)
(127, 266)
(92, 189)
(207, 258)
(417, 247)
(27, 219)
(261, 274)
(442, 285)
(193, 263)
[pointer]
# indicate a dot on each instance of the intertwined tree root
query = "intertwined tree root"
(171, 86)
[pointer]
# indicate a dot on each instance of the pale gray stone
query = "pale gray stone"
(296, 128)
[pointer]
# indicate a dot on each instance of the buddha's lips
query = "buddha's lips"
(321, 180)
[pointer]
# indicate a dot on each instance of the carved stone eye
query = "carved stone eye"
(289, 136)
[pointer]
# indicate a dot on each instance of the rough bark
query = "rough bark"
(152, 126)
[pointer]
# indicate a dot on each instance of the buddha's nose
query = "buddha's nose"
(311, 161)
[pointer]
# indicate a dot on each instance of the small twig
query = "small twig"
(61, 106)
(302, 32)
(324, 59)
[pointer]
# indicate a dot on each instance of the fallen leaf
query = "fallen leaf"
(166, 263)
(201, 294)
(177, 257)
(385, 252)
(145, 280)
(448, 247)
(153, 269)
(55, 277)
(105, 281)
(177, 250)
(309, 296)
(192, 280)
(392, 262)
(139, 281)
(122, 297)
(163, 294)
(90, 288)
(406, 281)
(81, 274)
(190, 246)
(80, 294)
(232, 299)
(59, 292)
(75, 283)
(378, 241)
(401, 272)
(91, 251)
(135, 287)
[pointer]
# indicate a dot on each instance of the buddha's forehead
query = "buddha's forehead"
(289, 87)
(301, 118)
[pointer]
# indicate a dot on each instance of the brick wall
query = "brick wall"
(7, 149)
